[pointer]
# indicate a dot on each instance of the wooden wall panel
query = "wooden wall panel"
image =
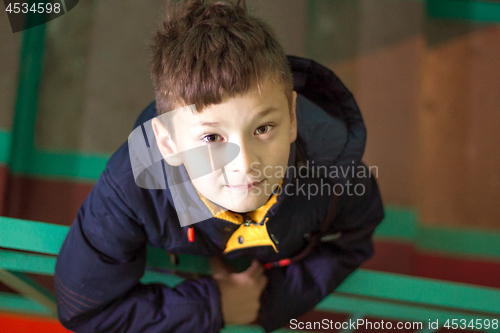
(388, 84)
(459, 160)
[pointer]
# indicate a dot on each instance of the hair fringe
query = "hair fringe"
(206, 50)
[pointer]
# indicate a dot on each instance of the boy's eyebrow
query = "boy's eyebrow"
(259, 115)
(209, 123)
(266, 111)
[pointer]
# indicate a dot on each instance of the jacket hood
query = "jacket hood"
(330, 125)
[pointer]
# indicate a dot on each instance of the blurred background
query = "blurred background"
(426, 75)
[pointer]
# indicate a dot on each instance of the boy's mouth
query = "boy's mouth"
(245, 187)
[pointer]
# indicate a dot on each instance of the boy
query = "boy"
(229, 83)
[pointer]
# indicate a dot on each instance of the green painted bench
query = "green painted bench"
(365, 293)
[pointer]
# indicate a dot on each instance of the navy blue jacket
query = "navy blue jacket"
(104, 255)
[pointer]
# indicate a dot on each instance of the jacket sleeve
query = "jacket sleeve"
(295, 289)
(98, 271)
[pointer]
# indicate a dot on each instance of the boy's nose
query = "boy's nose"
(246, 161)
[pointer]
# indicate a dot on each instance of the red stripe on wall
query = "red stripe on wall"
(475, 271)
(4, 174)
(15, 323)
(53, 201)
(393, 257)
(403, 258)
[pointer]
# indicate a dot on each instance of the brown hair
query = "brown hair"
(208, 50)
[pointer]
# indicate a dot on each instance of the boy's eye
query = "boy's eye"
(212, 138)
(263, 129)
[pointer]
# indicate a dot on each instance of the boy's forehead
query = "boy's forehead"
(180, 114)
(251, 103)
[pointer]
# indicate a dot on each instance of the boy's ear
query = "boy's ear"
(293, 118)
(165, 143)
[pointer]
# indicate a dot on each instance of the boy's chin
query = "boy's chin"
(249, 204)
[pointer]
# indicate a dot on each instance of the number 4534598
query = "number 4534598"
(473, 324)
(39, 8)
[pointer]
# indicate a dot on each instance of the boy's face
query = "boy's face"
(259, 122)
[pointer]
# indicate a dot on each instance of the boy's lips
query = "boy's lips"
(246, 187)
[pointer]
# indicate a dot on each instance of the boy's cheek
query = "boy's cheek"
(206, 185)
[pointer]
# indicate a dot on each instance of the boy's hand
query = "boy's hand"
(240, 292)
